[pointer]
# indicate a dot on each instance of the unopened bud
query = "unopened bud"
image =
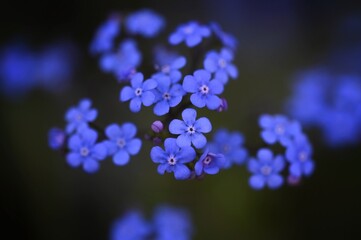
(157, 126)
(223, 106)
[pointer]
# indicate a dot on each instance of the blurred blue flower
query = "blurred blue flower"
(278, 128)
(227, 39)
(78, 117)
(299, 154)
(209, 163)
(56, 138)
(83, 150)
(204, 89)
(171, 69)
(131, 226)
(266, 170)
(144, 22)
(139, 93)
(190, 130)
(221, 65)
(103, 39)
(172, 223)
(124, 62)
(192, 33)
(164, 56)
(167, 95)
(173, 158)
(230, 144)
(122, 142)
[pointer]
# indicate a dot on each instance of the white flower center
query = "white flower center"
(302, 156)
(266, 170)
(166, 69)
(207, 160)
(204, 89)
(188, 30)
(172, 160)
(166, 96)
(84, 151)
(222, 63)
(120, 142)
(280, 129)
(191, 129)
(138, 92)
(79, 117)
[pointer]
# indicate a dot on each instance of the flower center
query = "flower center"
(79, 117)
(302, 156)
(191, 129)
(207, 160)
(166, 69)
(280, 129)
(266, 170)
(166, 96)
(188, 30)
(120, 142)
(172, 160)
(138, 91)
(226, 148)
(222, 63)
(204, 89)
(84, 151)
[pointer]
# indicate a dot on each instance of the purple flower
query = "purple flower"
(209, 163)
(173, 158)
(83, 150)
(227, 39)
(172, 69)
(266, 170)
(190, 129)
(192, 33)
(230, 144)
(221, 65)
(144, 22)
(56, 138)
(122, 142)
(278, 128)
(78, 117)
(167, 95)
(299, 154)
(139, 93)
(204, 89)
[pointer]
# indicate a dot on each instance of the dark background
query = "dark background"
(42, 198)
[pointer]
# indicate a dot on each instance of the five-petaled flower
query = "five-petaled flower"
(192, 33)
(78, 117)
(266, 170)
(121, 142)
(144, 22)
(190, 130)
(209, 163)
(85, 151)
(139, 92)
(204, 89)
(173, 158)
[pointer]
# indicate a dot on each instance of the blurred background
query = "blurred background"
(43, 198)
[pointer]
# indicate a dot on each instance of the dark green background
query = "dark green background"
(42, 198)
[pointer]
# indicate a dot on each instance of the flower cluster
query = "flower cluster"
(80, 140)
(328, 102)
(168, 223)
(266, 168)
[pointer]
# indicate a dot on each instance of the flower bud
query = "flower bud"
(157, 126)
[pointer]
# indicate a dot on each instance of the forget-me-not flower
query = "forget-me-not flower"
(78, 117)
(209, 163)
(173, 158)
(171, 69)
(139, 93)
(83, 150)
(299, 154)
(144, 22)
(227, 39)
(56, 138)
(266, 170)
(204, 90)
(190, 130)
(122, 143)
(192, 33)
(103, 40)
(221, 65)
(230, 144)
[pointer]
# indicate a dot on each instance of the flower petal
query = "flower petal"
(135, 104)
(113, 131)
(99, 151)
(257, 181)
(199, 140)
(74, 159)
(190, 84)
(158, 155)
(121, 158)
(274, 181)
(133, 146)
(127, 93)
(198, 100)
(161, 108)
(90, 165)
(186, 154)
(148, 98)
(184, 140)
(181, 172)
(177, 126)
(203, 125)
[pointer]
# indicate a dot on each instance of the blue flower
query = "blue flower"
(164, 56)
(230, 144)
(122, 142)
(78, 117)
(124, 62)
(103, 40)
(299, 154)
(192, 33)
(266, 170)
(139, 93)
(167, 95)
(56, 138)
(278, 128)
(131, 226)
(220, 64)
(172, 223)
(204, 89)
(85, 151)
(190, 129)
(144, 22)
(227, 39)
(209, 163)
(171, 69)
(173, 158)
